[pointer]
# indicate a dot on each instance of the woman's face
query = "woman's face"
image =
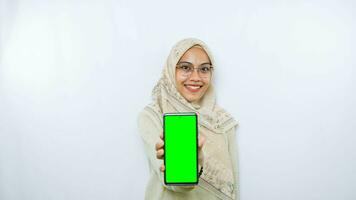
(194, 85)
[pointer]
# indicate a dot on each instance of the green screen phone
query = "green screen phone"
(180, 134)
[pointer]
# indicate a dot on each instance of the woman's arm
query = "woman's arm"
(234, 158)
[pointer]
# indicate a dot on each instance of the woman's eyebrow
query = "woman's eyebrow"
(185, 62)
(192, 64)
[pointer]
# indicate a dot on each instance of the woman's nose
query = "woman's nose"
(195, 75)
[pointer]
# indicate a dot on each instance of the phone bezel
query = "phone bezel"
(197, 164)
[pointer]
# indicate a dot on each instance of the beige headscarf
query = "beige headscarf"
(167, 97)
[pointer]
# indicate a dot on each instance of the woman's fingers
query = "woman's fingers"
(162, 168)
(160, 151)
(201, 141)
(159, 145)
(160, 154)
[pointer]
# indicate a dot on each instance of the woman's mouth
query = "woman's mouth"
(193, 88)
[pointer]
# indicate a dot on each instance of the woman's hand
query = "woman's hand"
(160, 150)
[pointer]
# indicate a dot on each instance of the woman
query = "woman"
(186, 86)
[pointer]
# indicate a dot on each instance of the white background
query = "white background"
(75, 74)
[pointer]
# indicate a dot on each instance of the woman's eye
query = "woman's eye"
(205, 69)
(185, 68)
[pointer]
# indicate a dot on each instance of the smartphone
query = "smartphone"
(180, 135)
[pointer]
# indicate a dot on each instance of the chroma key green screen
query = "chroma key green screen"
(180, 148)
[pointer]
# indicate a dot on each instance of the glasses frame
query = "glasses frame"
(198, 71)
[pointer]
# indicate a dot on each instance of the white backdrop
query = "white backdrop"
(75, 74)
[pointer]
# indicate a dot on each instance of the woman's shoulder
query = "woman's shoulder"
(152, 108)
(226, 118)
(150, 112)
(222, 112)
(149, 123)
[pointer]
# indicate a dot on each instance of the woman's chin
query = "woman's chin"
(192, 99)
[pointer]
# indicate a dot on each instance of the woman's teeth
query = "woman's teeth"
(193, 88)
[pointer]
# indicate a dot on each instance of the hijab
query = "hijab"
(167, 98)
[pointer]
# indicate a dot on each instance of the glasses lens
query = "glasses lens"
(185, 68)
(203, 70)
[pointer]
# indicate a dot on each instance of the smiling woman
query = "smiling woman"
(186, 86)
(192, 86)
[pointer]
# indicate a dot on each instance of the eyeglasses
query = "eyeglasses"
(186, 69)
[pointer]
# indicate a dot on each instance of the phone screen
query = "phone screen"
(180, 148)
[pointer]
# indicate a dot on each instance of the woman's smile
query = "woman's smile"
(193, 88)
